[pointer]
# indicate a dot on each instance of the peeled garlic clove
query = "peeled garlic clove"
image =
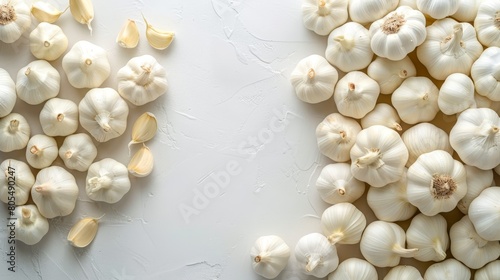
(158, 39)
(82, 11)
(141, 163)
(83, 232)
(46, 12)
(144, 129)
(129, 35)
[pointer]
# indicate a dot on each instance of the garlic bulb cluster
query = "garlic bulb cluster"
(41, 151)
(48, 41)
(59, 117)
(30, 225)
(336, 184)
(390, 74)
(336, 135)
(78, 151)
(483, 213)
(83, 232)
(37, 82)
(363, 11)
(450, 269)
(383, 114)
(315, 255)
(486, 23)
(322, 16)
(456, 94)
(486, 75)
(15, 19)
(356, 94)
(477, 180)
(430, 235)
(8, 93)
(15, 132)
(20, 173)
(424, 138)
(107, 180)
(270, 256)
(343, 223)
(354, 268)
(438, 9)
(489, 271)
(129, 35)
(403, 272)
(416, 100)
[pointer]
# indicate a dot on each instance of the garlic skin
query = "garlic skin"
(37, 82)
(378, 160)
(336, 135)
(450, 47)
(349, 47)
(467, 10)
(476, 137)
(48, 41)
(430, 236)
(436, 182)
(315, 255)
(483, 213)
(423, 138)
(45, 12)
(142, 162)
(129, 35)
(449, 269)
(363, 11)
(30, 225)
(78, 152)
(142, 80)
(269, 256)
(438, 9)
(469, 248)
(86, 65)
(456, 94)
(486, 75)
(103, 113)
(390, 74)
(416, 100)
(322, 16)
(354, 268)
(41, 151)
(82, 11)
(8, 93)
(83, 232)
(398, 33)
(23, 182)
(343, 223)
(15, 20)
(14, 132)
(356, 94)
(336, 184)
(489, 271)
(55, 192)
(314, 79)
(59, 117)
(403, 272)
(383, 243)
(477, 181)
(107, 180)
(157, 38)
(382, 114)
(486, 23)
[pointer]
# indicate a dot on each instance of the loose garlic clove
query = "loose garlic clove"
(430, 236)
(270, 256)
(38, 82)
(41, 151)
(144, 129)
(449, 269)
(59, 117)
(141, 163)
(48, 41)
(46, 12)
(383, 114)
(336, 184)
(14, 132)
(83, 232)
(362, 269)
(157, 38)
(82, 11)
(343, 223)
(336, 135)
(129, 35)
(403, 272)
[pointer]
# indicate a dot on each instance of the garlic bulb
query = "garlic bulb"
(378, 160)
(86, 65)
(456, 94)
(450, 47)
(142, 80)
(469, 248)
(438, 9)
(398, 33)
(129, 35)
(103, 113)
(14, 132)
(354, 268)
(489, 271)
(390, 203)
(390, 74)
(54, 192)
(48, 41)
(416, 100)
(322, 16)
(17, 175)
(449, 269)
(403, 272)
(430, 236)
(14, 20)
(486, 75)
(383, 244)
(343, 223)
(45, 12)
(107, 180)
(41, 151)
(315, 255)
(78, 151)
(423, 138)
(336, 184)
(336, 135)
(486, 23)
(382, 114)
(436, 182)
(270, 256)
(83, 232)
(30, 225)
(349, 47)
(37, 82)
(477, 180)
(8, 93)
(476, 137)
(142, 162)
(363, 11)
(356, 94)
(483, 213)
(82, 11)
(314, 79)
(59, 117)
(467, 10)
(158, 38)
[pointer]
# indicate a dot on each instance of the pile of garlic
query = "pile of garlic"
(40, 183)
(402, 73)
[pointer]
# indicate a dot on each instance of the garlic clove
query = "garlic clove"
(129, 35)
(141, 163)
(144, 129)
(46, 12)
(82, 11)
(157, 38)
(83, 232)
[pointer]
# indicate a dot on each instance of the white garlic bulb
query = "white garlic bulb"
(18, 179)
(322, 16)
(48, 41)
(336, 184)
(449, 269)
(456, 94)
(37, 82)
(390, 74)
(486, 23)
(378, 160)
(30, 225)
(488, 272)
(343, 223)
(59, 117)
(16, 18)
(382, 114)
(354, 268)
(483, 213)
(467, 10)
(403, 272)
(314, 79)
(383, 244)
(438, 9)
(356, 94)
(55, 192)
(430, 236)
(41, 151)
(336, 135)
(270, 256)
(366, 11)
(103, 113)
(416, 100)
(78, 151)
(14, 132)
(477, 180)
(469, 248)
(349, 47)
(107, 180)
(315, 255)
(486, 75)
(423, 138)
(8, 93)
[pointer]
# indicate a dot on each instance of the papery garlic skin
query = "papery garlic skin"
(314, 79)
(416, 100)
(469, 248)
(430, 236)
(383, 114)
(14, 132)
(20, 173)
(477, 181)
(37, 82)
(107, 180)
(438, 9)
(129, 35)
(484, 214)
(41, 151)
(467, 10)
(449, 269)
(354, 268)
(486, 75)
(59, 117)
(269, 256)
(78, 151)
(423, 138)
(15, 20)
(456, 94)
(30, 225)
(403, 272)
(8, 93)
(356, 94)
(45, 12)
(343, 223)
(390, 74)
(488, 272)
(336, 184)
(315, 255)
(349, 47)
(486, 23)
(322, 16)
(336, 135)
(48, 41)
(363, 11)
